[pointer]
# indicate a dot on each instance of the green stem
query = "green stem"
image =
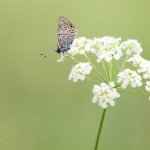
(124, 62)
(105, 69)
(91, 80)
(113, 70)
(96, 76)
(100, 129)
(110, 71)
(94, 67)
(75, 59)
(133, 92)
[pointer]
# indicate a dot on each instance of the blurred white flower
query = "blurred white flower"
(144, 68)
(129, 77)
(107, 48)
(146, 75)
(147, 87)
(62, 57)
(136, 60)
(95, 45)
(131, 47)
(80, 46)
(105, 94)
(142, 65)
(80, 71)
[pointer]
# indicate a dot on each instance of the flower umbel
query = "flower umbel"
(105, 94)
(109, 49)
(80, 46)
(111, 79)
(80, 71)
(142, 65)
(131, 47)
(109, 52)
(129, 77)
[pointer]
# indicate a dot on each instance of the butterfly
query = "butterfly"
(67, 32)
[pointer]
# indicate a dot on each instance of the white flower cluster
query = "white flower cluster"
(129, 77)
(137, 61)
(80, 46)
(131, 47)
(143, 68)
(108, 49)
(142, 65)
(105, 94)
(80, 71)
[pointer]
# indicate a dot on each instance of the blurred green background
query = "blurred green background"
(39, 108)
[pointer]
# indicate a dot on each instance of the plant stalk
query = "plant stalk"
(100, 129)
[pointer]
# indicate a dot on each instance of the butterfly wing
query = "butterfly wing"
(67, 32)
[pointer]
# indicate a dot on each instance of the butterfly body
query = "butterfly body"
(67, 32)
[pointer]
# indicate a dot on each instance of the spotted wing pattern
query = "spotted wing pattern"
(67, 32)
